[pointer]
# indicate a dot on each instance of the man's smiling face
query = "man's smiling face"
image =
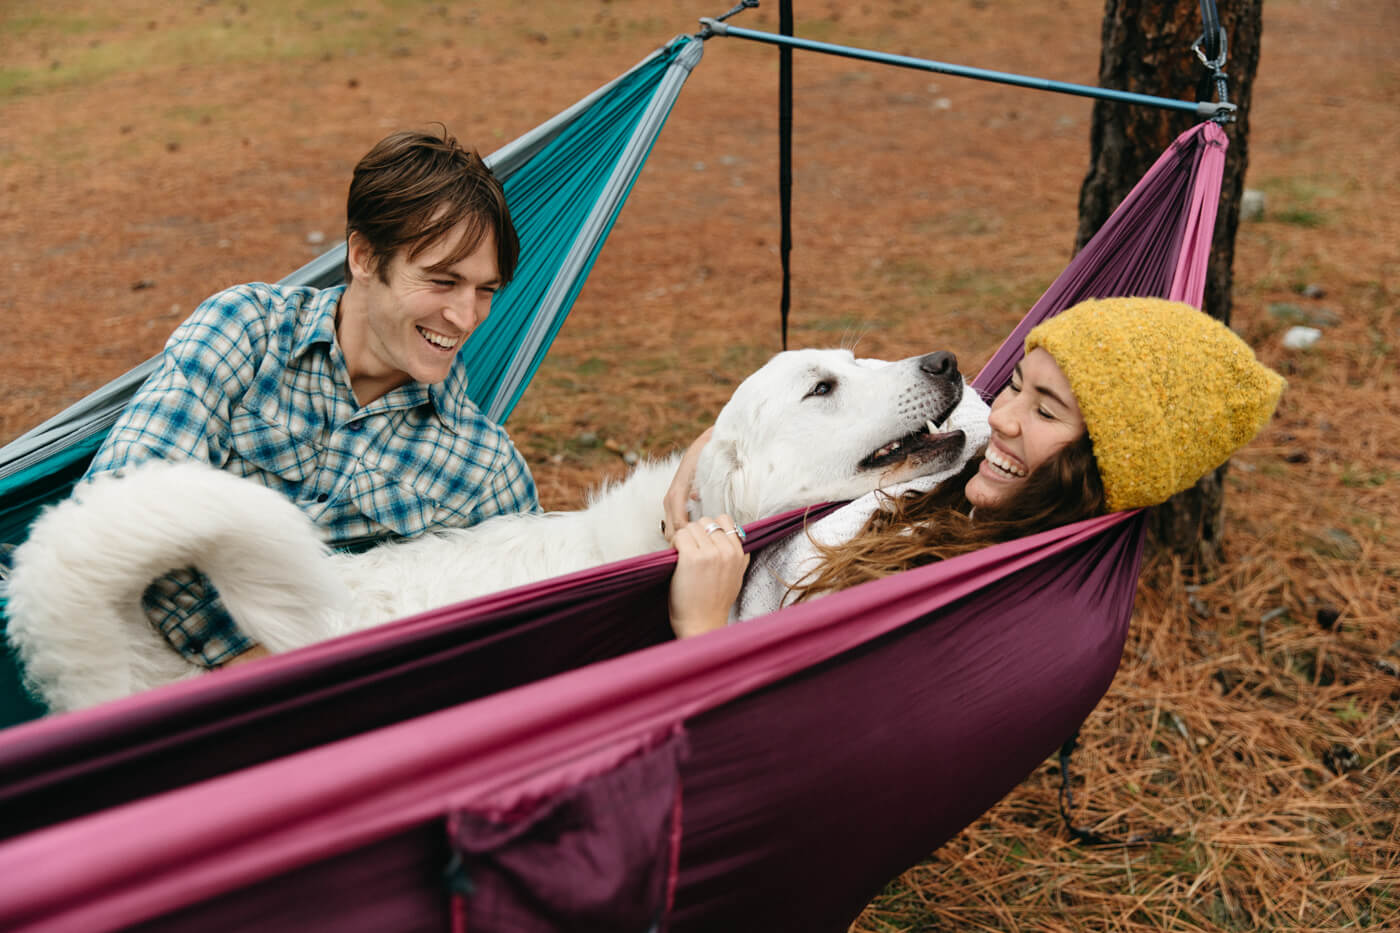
(416, 312)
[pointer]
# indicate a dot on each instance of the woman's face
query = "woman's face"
(1032, 419)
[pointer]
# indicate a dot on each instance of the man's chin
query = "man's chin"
(432, 373)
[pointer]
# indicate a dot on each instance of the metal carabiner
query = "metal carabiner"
(713, 25)
(1217, 71)
(1199, 48)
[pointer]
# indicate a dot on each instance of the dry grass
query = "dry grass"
(1265, 752)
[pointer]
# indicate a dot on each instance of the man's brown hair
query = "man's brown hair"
(414, 187)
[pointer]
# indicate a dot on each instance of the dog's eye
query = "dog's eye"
(825, 387)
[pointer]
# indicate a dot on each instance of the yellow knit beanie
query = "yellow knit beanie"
(1167, 392)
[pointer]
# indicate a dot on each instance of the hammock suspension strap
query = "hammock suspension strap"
(785, 163)
(710, 27)
(1211, 48)
(1087, 836)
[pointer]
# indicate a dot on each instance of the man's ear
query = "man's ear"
(359, 256)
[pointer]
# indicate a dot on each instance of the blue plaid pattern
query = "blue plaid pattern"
(185, 607)
(255, 383)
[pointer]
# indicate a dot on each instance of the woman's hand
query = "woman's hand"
(675, 504)
(710, 565)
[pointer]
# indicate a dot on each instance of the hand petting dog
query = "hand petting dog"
(710, 565)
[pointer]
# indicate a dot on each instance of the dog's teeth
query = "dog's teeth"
(932, 429)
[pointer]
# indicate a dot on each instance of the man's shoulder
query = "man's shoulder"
(253, 314)
(267, 301)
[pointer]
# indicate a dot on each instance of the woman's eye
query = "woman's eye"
(444, 283)
(821, 388)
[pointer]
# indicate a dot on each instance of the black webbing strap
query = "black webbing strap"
(1087, 836)
(1211, 48)
(785, 161)
(1212, 39)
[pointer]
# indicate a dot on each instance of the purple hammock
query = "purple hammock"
(548, 758)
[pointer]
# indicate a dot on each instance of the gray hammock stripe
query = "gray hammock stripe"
(556, 299)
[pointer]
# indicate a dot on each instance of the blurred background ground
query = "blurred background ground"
(152, 153)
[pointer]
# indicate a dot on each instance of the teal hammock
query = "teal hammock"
(566, 180)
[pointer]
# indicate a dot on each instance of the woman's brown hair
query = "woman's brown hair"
(923, 527)
(413, 188)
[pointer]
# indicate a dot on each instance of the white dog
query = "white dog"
(810, 426)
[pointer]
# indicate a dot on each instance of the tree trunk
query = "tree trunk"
(1147, 49)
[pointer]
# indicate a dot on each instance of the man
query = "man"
(349, 400)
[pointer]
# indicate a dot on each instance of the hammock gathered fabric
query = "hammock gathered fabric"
(549, 752)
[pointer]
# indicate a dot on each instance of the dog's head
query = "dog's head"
(816, 426)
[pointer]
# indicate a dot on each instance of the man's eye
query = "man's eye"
(821, 388)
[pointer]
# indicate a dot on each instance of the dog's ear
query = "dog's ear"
(722, 480)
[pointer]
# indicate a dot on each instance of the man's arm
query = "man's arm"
(183, 412)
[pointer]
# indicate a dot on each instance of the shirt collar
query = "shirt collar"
(318, 324)
(450, 397)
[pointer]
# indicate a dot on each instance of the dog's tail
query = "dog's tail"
(75, 590)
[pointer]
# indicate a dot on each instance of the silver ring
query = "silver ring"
(712, 527)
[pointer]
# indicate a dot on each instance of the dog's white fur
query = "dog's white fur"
(794, 433)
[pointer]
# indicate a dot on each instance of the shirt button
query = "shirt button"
(323, 497)
(355, 426)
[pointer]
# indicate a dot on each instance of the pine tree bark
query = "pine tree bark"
(1147, 49)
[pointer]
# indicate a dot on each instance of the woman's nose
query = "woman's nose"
(1002, 417)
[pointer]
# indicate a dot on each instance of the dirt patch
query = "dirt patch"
(152, 155)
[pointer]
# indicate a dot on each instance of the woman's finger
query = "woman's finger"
(710, 565)
(675, 504)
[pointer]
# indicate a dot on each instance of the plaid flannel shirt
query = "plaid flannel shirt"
(254, 382)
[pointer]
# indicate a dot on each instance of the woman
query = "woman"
(1119, 403)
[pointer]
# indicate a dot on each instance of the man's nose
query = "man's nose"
(461, 311)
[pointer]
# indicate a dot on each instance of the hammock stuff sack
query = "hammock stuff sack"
(566, 181)
(547, 758)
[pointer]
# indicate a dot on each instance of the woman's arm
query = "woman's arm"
(710, 565)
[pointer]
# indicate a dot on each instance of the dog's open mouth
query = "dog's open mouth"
(919, 446)
(924, 444)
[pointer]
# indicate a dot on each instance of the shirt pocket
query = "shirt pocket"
(397, 506)
(260, 437)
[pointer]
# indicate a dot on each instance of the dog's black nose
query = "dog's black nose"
(942, 365)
